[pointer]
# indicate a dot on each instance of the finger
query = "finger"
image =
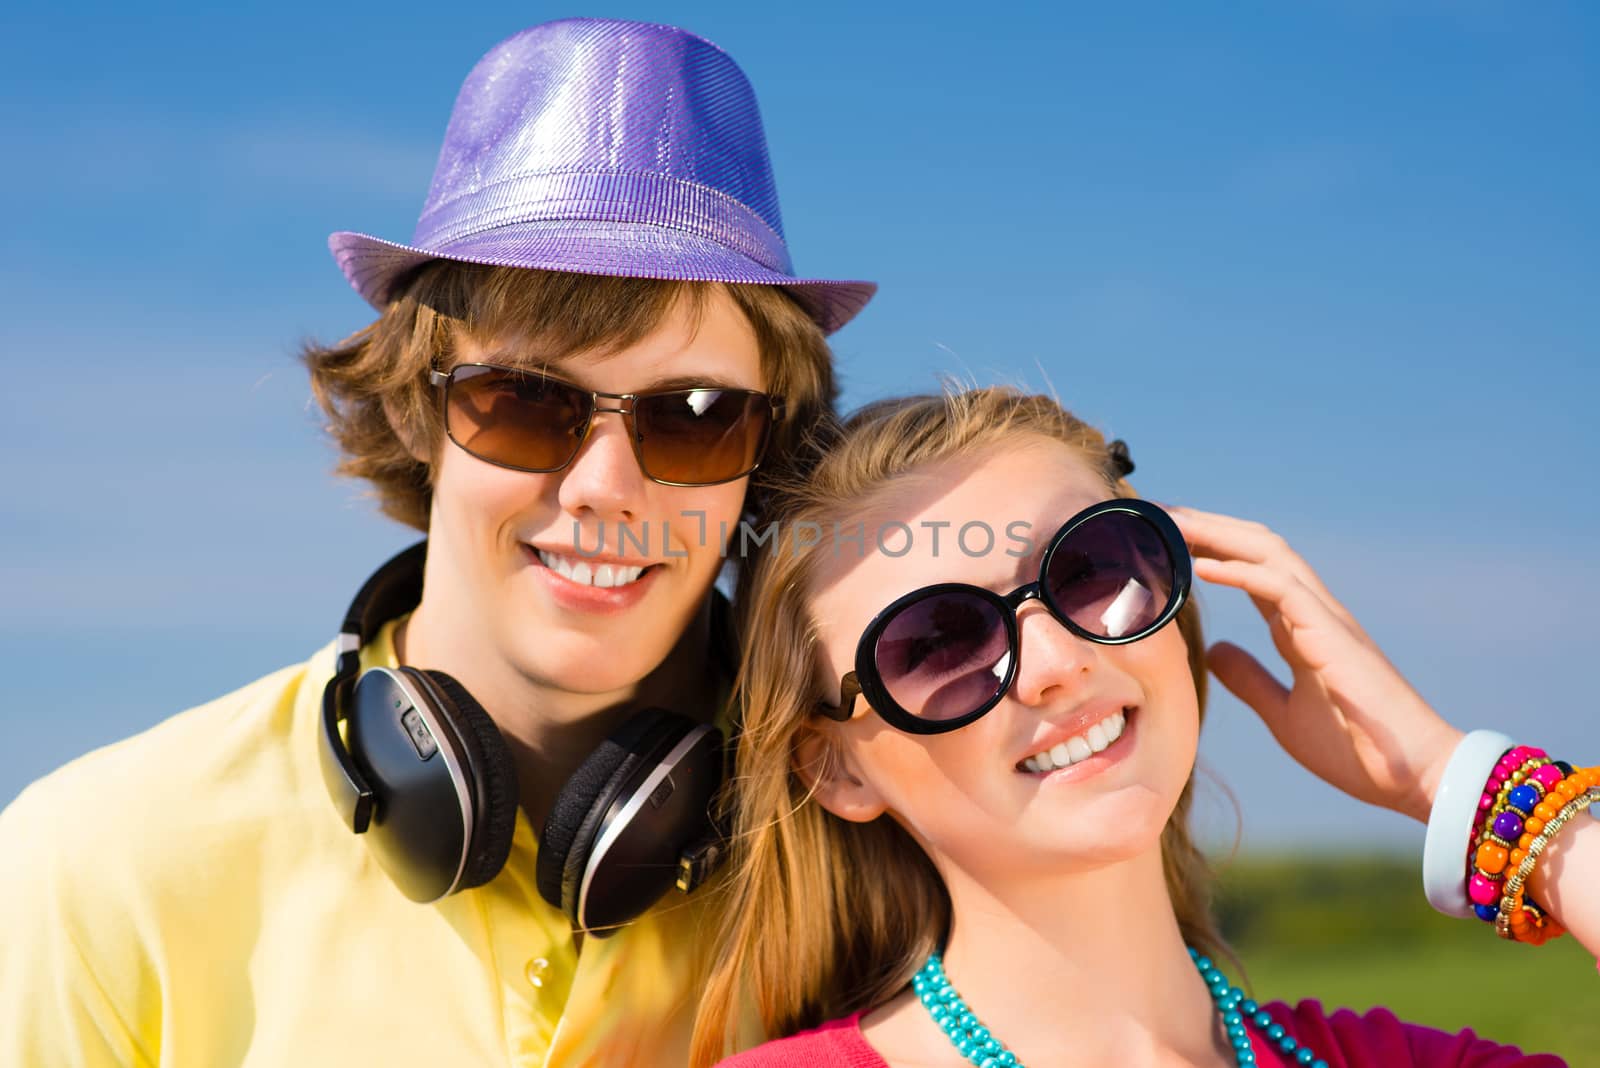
(1304, 737)
(1280, 630)
(1312, 639)
(1315, 732)
(1227, 537)
(1267, 585)
(1315, 634)
(1282, 633)
(1247, 680)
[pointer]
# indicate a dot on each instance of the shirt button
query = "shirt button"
(535, 971)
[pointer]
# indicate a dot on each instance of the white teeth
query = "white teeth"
(1079, 747)
(604, 576)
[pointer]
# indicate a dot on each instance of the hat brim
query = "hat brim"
(619, 249)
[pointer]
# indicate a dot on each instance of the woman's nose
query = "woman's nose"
(1053, 660)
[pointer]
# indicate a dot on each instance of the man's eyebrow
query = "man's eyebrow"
(564, 368)
(687, 382)
(521, 359)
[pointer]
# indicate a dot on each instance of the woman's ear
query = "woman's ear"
(406, 431)
(828, 771)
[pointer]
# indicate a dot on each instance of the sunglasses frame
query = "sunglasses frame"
(865, 680)
(443, 380)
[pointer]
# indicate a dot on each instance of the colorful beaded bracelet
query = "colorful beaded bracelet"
(1526, 917)
(1500, 776)
(1513, 770)
(1525, 822)
(1519, 777)
(1474, 790)
(1500, 825)
(1522, 920)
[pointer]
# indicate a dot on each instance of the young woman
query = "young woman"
(968, 752)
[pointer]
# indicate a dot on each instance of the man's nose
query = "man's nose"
(604, 478)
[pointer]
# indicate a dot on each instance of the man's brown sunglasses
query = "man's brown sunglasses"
(529, 421)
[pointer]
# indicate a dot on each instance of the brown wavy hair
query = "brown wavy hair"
(802, 930)
(373, 385)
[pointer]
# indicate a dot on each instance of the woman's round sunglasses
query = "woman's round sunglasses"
(941, 656)
(529, 421)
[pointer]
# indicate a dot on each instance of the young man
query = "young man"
(590, 355)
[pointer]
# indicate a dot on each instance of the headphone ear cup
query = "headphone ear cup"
(570, 829)
(493, 775)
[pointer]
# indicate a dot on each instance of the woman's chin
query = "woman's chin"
(1115, 825)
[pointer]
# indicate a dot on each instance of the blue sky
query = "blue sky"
(1330, 264)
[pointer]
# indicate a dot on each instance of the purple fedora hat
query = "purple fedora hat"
(599, 146)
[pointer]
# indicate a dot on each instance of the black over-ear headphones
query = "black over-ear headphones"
(425, 774)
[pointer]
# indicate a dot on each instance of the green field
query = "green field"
(1358, 933)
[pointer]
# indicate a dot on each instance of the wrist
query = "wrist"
(1420, 807)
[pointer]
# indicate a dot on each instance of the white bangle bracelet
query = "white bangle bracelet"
(1450, 821)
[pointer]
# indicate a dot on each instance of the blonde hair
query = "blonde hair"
(826, 917)
(377, 377)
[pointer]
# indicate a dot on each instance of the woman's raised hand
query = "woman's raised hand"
(1349, 717)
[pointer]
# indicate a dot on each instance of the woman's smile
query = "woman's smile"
(1107, 738)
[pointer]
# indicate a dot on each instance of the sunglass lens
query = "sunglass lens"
(943, 656)
(520, 419)
(1112, 575)
(701, 436)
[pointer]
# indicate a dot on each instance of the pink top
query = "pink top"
(1344, 1040)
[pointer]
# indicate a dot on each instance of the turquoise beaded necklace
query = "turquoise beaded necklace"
(979, 1046)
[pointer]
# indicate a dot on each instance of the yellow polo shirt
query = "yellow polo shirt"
(189, 897)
